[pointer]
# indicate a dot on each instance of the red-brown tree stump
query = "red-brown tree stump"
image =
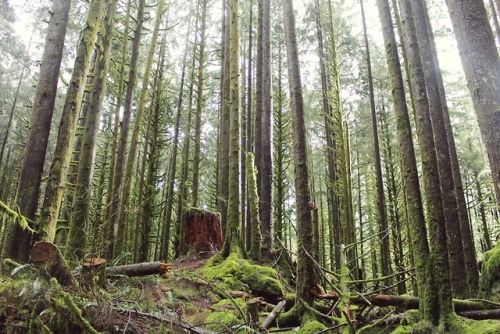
(47, 256)
(202, 231)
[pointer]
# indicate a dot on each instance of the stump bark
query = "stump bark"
(202, 231)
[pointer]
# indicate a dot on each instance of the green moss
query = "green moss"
(226, 304)
(490, 275)
(312, 327)
(221, 321)
(239, 274)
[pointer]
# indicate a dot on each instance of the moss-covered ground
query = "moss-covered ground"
(211, 294)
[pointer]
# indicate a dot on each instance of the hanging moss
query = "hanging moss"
(239, 274)
(15, 216)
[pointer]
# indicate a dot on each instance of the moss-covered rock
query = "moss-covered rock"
(312, 327)
(221, 321)
(235, 273)
(490, 274)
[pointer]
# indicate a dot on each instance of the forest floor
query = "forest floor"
(198, 294)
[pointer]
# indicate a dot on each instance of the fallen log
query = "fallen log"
(273, 315)
(409, 302)
(140, 269)
(481, 314)
(47, 256)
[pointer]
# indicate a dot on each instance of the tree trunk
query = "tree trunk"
(416, 222)
(382, 213)
(77, 234)
(430, 172)
(232, 238)
(71, 110)
(305, 270)
(481, 64)
(195, 193)
(253, 202)
(18, 241)
(123, 217)
(114, 222)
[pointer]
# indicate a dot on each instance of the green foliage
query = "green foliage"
(238, 274)
(490, 276)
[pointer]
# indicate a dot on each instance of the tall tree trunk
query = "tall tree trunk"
(114, 222)
(199, 104)
(481, 64)
(453, 228)
(416, 220)
(132, 153)
(249, 119)
(77, 234)
(334, 215)
(71, 110)
(305, 269)
(430, 172)
(18, 241)
(108, 233)
(266, 169)
(382, 213)
(232, 239)
(486, 233)
(224, 122)
(175, 146)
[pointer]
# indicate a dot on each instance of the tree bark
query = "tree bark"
(77, 234)
(417, 224)
(430, 172)
(481, 64)
(139, 269)
(56, 183)
(17, 245)
(305, 270)
(202, 231)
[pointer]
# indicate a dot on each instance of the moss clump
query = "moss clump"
(239, 274)
(228, 304)
(221, 321)
(490, 276)
(312, 327)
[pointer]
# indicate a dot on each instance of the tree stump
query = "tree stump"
(94, 272)
(47, 256)
(202, 231)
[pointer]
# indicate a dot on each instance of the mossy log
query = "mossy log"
(48, 257)
(409, 302)
(273, 315)
(481, 314)
(140, 269)
(202, 231)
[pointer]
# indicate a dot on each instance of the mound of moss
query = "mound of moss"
(490, 275)
(312, 327)
(221, 321)
(236, 273)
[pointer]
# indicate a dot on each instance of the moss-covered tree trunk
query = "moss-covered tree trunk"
(430, 171)
(253, 202)
(175, 148)
(119, 165)
(382, 213)
(481, 63)
(232, 239)
(195, 192)
(450, 209)
(71, 110)
(123, 219)
(18, 241)
(77, 234)
(416, 222)
(305, 269)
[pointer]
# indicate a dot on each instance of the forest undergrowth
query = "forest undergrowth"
(199, 293)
